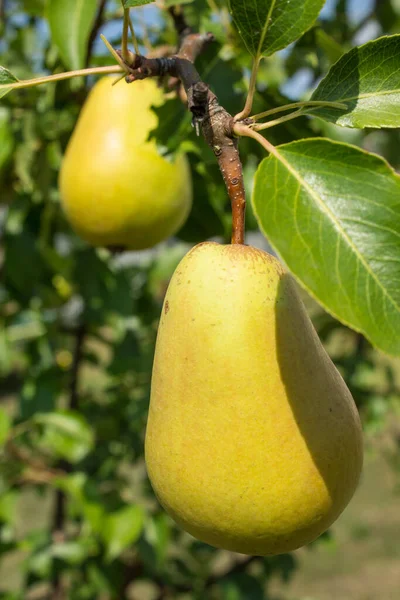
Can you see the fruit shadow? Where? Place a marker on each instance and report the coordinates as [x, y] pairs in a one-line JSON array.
[[306, 373]]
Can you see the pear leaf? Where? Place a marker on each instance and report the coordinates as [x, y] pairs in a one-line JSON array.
[[5, 426], [270, 25], [6, 77], [66, 434], [6, 139], [134, 3], [71, 22], [367, 79], [332, 212], [121, 529], [169, 3], [6, 81]]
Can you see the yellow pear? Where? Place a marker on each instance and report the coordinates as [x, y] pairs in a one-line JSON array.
[[253, 441], [116, 188]]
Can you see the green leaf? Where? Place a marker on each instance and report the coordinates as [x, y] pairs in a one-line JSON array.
[[67, 434], [71, 22], [158, 535], [332, 212], [367, 79], [209, 197], [5, 426], [73, 553], [23, 277], [239, 586], [133, 3], [105, 290], [270, 25], [6, 139], [173, 123], [85, 496], [8, 506], [329, 45], [6, 81], [39, 393], [125, 353], [122, 529], [6, 77], [73, 485], [169, 3]]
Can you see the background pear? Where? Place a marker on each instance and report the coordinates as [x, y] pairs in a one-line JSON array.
[[116, 189], [253, 441]]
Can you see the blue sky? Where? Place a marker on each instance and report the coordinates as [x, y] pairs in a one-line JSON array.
[[358, 9], [300, 83]]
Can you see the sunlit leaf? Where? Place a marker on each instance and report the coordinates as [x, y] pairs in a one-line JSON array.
[[122, 529], [367, 79], [332, 212], [5, 426], [270, 25], [70, 23], [67, 434], [6, 80], [133, 3], [6, 139], [6, 77]]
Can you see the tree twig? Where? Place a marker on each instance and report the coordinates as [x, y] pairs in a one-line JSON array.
[[95, 29], [181, 26]]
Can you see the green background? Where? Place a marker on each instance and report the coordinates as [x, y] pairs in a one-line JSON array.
[[78, 518]]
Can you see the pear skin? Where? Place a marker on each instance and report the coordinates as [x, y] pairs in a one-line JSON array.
[[253, 442], [116, 189]]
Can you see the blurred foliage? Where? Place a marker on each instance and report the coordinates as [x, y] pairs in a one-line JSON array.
[[78, 325]]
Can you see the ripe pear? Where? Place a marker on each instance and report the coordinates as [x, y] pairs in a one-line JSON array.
[[116, 189], [253, 441]]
